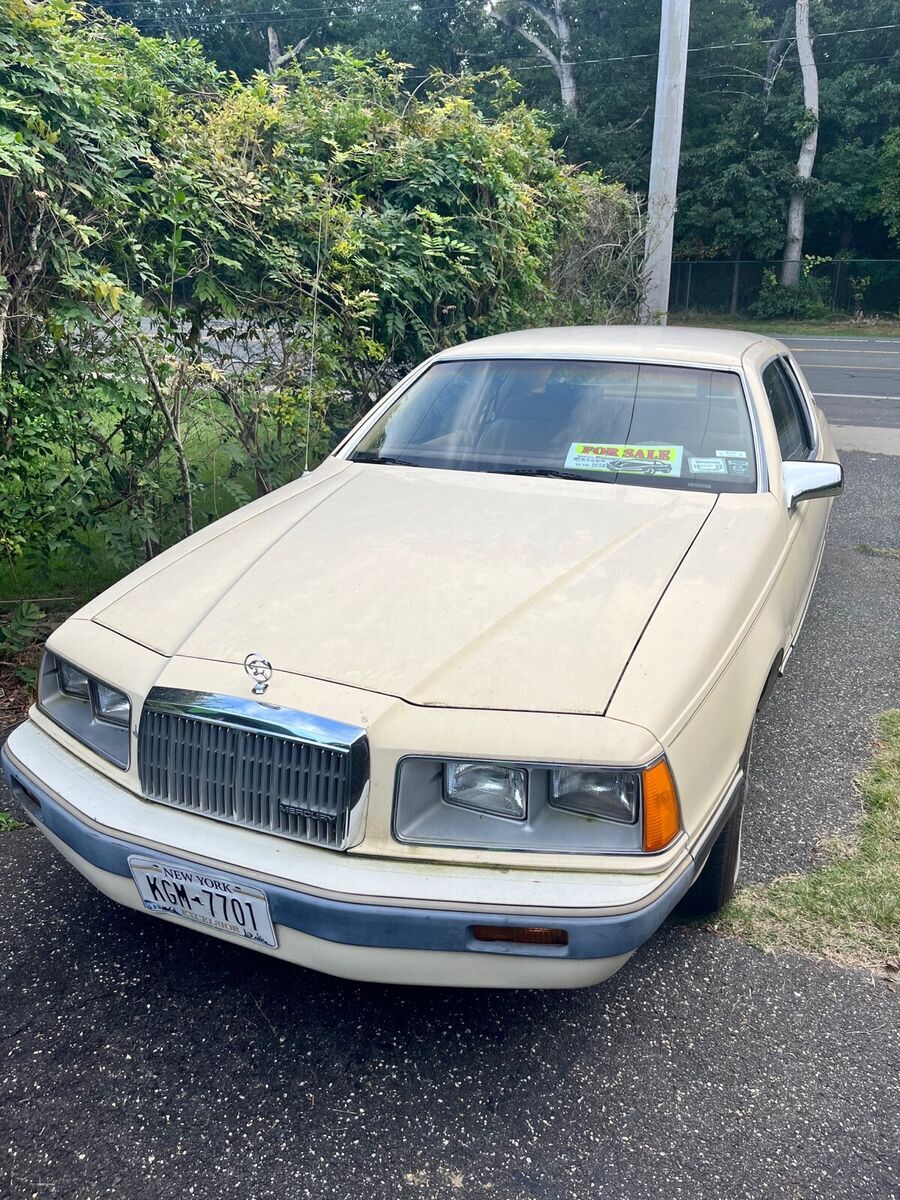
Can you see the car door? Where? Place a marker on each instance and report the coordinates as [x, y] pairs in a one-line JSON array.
[[797, 440]]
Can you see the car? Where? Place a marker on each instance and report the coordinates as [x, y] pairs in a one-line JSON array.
[[640, 468], [464, 705]]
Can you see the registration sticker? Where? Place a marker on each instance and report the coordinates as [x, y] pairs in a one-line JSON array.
[[627, 459], [731, 453], [708, 466], [211, 898]]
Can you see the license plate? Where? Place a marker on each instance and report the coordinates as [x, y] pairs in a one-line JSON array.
[[209, 898]]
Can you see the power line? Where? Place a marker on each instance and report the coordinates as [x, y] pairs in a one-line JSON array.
[[259, 14], [697, 49], [513, 64], [316, 10]]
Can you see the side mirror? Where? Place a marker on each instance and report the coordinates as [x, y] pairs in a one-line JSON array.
[[810, 481]]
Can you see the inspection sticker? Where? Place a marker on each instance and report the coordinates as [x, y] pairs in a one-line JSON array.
[[708, 466], [627, 459], [731, 453]]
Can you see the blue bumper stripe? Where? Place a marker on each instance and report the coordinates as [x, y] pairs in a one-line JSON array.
[[369, 924]]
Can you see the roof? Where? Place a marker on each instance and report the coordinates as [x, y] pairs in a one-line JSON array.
[[716, 347]]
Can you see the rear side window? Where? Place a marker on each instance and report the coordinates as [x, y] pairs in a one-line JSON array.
[[794, 436]]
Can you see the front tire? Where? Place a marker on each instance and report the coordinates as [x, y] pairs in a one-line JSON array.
[[717, 882]]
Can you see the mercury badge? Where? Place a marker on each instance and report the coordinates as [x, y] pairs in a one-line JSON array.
[[260, 671]]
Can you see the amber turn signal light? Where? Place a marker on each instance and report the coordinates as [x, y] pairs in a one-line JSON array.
[[532, 935], [662, 821]]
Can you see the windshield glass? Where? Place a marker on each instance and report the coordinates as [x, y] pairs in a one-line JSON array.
[[609, 422]]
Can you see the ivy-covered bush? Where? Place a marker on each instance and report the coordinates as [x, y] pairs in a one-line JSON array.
[[193, 270], [807, 300]]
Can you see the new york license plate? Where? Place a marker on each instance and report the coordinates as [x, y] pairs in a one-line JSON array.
[[209, 898]]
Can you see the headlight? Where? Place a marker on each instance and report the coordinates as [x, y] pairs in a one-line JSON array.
[[72, 681], [112, 705], [611, 794], [487, 787], [90, 710], [552, 808]]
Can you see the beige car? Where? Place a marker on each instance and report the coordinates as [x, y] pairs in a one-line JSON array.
[[472, 703]]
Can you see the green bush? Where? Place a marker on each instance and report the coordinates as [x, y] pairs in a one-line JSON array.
[[806, 300], [193, 266]]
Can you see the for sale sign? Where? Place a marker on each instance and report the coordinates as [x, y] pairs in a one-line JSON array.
[[628, 459]]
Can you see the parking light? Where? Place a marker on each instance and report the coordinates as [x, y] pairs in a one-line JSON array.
[[662, 820]]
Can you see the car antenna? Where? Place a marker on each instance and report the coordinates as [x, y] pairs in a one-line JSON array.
[[322, 237]]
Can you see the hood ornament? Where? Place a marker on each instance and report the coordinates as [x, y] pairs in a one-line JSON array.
[[260, 671]]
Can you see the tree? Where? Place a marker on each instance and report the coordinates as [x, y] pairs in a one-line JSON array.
[[859, 81], [743, 83], [521, 16], [732, 197], [889, 182], [240, 37], [793, 249]]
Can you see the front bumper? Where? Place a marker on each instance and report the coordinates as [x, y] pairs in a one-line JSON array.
[[392, 942]]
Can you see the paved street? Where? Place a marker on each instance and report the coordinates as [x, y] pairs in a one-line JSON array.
[[143, 1061], [856, 380]]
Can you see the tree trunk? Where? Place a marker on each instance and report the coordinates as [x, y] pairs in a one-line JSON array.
[[274, 48], [568, 92], [277, 57], [551, 14], [793, 247], [174, 433], [4, 312]]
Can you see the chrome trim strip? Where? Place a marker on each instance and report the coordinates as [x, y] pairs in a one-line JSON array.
[[256, 716], [793, 370]]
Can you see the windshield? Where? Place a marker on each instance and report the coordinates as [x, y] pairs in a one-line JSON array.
[[636, 423]]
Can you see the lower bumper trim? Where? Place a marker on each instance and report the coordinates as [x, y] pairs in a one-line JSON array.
[[365, 924]]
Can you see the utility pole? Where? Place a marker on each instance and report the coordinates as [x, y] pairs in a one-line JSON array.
[[673, 43]]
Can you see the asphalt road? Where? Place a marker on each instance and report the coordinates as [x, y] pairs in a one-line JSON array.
[[855, 380], [143, 1061]]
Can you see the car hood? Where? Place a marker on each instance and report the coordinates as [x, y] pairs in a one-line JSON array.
[[439, 587]]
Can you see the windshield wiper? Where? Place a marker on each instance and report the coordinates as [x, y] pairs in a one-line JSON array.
[[549, 473], [370, 456]]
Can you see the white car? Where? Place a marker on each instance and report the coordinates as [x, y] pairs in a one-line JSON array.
[[472, 703]]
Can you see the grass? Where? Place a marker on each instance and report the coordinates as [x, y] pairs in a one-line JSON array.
[[878, 551], [76, 574], [842, 327], [62, 584], [848, 910], [8, 823]]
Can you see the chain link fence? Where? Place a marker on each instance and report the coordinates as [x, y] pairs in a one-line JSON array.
[[847, 285]]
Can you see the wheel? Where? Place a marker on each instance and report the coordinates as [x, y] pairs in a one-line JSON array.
[[716, 883]]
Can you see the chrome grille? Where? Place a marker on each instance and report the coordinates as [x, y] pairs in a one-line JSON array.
[[237, 761]]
